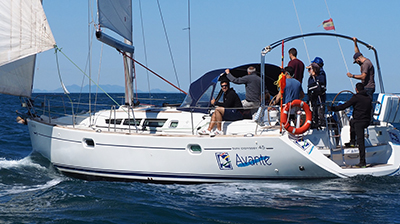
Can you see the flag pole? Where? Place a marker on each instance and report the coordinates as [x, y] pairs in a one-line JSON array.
[[282, 79]]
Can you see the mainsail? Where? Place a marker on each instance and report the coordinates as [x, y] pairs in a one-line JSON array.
[[24, 32], [117, 16]]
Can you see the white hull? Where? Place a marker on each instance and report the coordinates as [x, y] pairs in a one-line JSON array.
[[163, 155]]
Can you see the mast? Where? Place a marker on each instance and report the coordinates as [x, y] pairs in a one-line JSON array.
[[128, 70], [117, 16]]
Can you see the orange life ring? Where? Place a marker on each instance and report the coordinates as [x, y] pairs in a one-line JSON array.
[[285, 115]]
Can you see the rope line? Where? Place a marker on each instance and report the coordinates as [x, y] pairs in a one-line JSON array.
[[301, 30], [108, 95], [340, 47], [144, 47], [123, 53]]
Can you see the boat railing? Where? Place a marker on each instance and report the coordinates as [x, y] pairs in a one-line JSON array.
[[113, 111], [112, 119], [47, 106], [130, 110], [56, 106]]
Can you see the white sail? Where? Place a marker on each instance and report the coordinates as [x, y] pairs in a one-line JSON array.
[[116, 16], [16, 78], [24, 31]]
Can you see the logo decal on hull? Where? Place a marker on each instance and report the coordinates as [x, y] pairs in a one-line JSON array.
[[224, 161], [305, 145], [244, 161]]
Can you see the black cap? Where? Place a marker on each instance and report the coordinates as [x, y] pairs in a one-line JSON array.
[[355, 56]]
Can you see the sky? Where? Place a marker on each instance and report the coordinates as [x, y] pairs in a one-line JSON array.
[[223, 34]]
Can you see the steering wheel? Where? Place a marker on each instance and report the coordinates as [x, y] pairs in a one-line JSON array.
[[347, 111]]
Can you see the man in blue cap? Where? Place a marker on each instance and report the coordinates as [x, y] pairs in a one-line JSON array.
[[367, 71]]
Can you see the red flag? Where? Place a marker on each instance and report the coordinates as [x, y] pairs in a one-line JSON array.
[[328, 24]]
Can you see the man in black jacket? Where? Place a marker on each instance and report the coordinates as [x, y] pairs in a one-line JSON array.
[[362, 105], [229, 110]]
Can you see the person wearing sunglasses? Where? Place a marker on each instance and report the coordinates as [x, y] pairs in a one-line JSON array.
[[317, 94], [229, 110]]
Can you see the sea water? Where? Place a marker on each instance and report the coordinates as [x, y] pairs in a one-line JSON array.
[[32, 191]]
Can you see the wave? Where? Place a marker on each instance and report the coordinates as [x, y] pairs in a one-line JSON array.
[[6, 190], [24, 175], [22, 163], [269, 193]]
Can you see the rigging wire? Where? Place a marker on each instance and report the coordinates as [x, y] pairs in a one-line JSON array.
[[84, 73], [159, 76], [90, 14], [62, 84], [190, 61], [144, 48], [340, 47], [301, 30], [190, 44], [98, 75], [169, 45], [90, 62]]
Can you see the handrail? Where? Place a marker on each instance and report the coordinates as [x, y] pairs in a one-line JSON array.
[[115, 119], [275, 44], [134, 120]]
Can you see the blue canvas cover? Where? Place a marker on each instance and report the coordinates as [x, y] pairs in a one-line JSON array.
[[202, 90]]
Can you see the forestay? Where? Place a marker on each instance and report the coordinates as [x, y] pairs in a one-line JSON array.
[[24, 32]]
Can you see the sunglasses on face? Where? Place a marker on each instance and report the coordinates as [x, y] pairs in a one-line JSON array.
[[222, 86]]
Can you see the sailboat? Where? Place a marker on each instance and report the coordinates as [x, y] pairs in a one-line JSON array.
[[162, 144]]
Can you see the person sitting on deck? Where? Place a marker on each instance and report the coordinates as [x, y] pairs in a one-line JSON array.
[[229, 110], [362, 104]]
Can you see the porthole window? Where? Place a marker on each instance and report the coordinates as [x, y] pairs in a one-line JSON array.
[[173, 124], [88, 142], [195, 148]]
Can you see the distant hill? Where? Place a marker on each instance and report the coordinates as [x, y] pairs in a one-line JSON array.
[[107, 88]]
